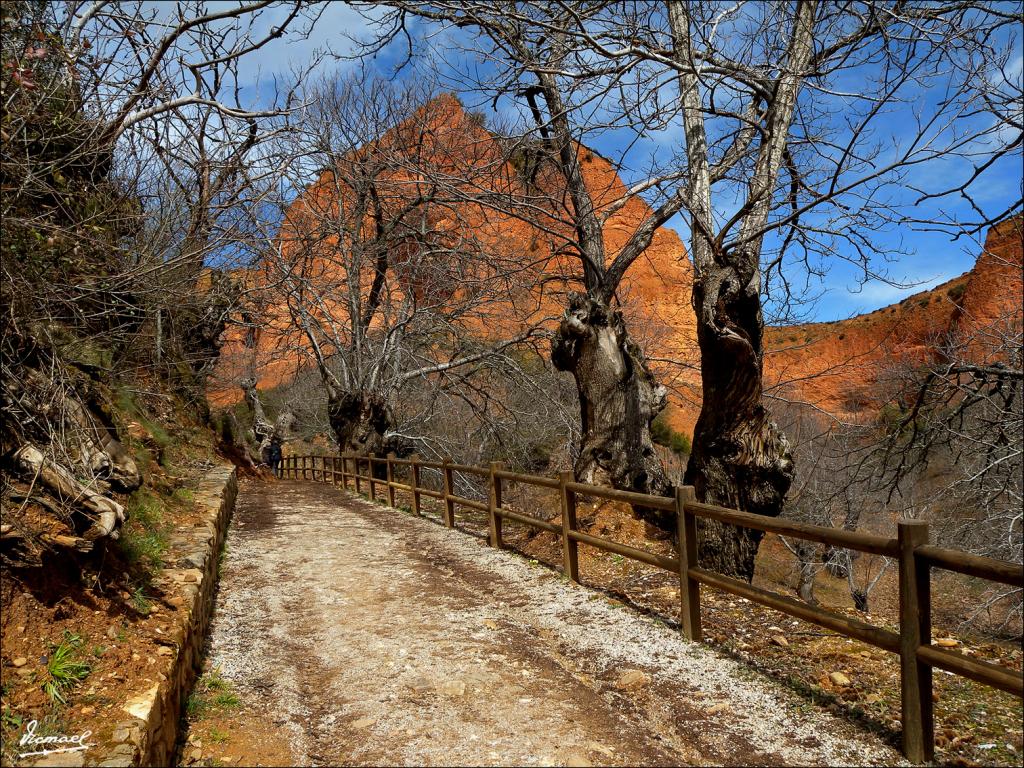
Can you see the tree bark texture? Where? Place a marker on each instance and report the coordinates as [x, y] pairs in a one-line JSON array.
[[619, 398], [361, 422], [741, 459]]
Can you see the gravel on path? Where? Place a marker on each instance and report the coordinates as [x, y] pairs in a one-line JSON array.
[[374, 637]]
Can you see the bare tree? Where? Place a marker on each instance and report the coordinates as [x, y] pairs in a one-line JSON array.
[[538, 68], [782, 165], [389, 271], [945, 445], [955, 430], [837, 485], [81, 82], [205, 172]]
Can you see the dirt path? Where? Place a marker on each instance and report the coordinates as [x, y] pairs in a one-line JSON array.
[[362, 635]]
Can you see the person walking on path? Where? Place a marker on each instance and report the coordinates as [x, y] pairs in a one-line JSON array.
[[274, 452]]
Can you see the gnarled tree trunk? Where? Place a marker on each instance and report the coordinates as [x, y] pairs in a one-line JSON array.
[[264, 433], [741, 459], [619, 398], [361, 422]]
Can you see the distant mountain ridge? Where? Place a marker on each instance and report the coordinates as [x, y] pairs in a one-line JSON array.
[[840, 366]]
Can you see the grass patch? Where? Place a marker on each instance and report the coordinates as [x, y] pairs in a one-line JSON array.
[[140, 600], [227, 700], [145, 508], [143, 539], [195, 706], [64, 669], [212, 694], [221, 555], [184, 495]]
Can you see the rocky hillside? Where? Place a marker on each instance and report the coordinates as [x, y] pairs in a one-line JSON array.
[[656, 297], [839, 366], [843, 367]]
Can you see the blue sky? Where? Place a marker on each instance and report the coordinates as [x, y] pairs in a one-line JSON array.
[[924, 259]]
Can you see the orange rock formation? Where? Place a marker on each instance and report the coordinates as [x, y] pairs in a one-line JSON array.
[[837, 366], [655, 296], [842, 367]]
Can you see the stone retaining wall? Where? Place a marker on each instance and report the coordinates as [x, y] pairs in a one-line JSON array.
[[148, 736]]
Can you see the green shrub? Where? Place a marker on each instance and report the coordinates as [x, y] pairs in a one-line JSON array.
[[663, 434]]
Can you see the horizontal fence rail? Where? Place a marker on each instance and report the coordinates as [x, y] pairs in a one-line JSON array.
[[910, 548]]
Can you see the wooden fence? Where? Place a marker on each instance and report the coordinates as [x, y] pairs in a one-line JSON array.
[[910, 548]]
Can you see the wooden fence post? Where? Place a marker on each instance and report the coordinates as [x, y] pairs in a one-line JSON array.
[[492, 509], [570, 547], [689, 589], [449, 505], [305, 470], [915, 631], [370, 460], [334, 471], [391, 480], [344, 470], [416, 484], [355, 461]]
